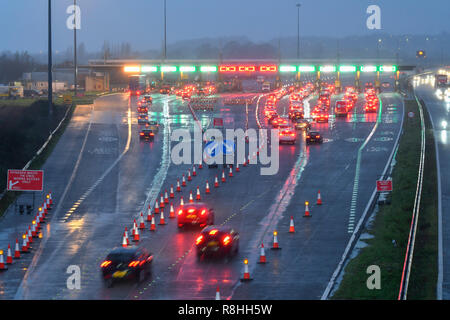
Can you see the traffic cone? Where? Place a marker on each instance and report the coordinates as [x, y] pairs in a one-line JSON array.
[[124, 240], [237, 167], [291, 226], [126, 236], [178, 185], [189, 175], [319, 199], [149, 214], [161, 218], [223, 176], [172, 211], [134, 226], [33, 229], [181, 201], [171, 195], [141, 222], [2, 262], [153, 225], [161, 201], [183, 181], [231, 172], [200, 166], [216, 183], [30, 236], [275, 245], [156, 210], [44, 207], [136, 235], [262, 255], [9, 255], [245, 163], [24, 244], [51, 200], [47, 197], [197, 197], [16, 250], [307, 215], [246, 273], [194, 173], [166, 197], [207, 188], [191, 199], [217, 293]]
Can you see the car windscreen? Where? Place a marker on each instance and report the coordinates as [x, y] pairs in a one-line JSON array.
[[120, 257]]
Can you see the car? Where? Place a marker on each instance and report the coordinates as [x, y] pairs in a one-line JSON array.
[[321, 116], [147, 134], [195, 214], [273, 118], [341, 108], [126, 263], [287, 135], [147, 98], [142, 119], [314, 137], [217, 241], [302, 124], [142, 109], [295, 114], [32, 93]]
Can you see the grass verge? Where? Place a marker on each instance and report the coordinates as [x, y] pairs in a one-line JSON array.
[[27, 131], [392, 222]]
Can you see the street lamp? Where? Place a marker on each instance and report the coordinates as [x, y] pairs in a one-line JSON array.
[[298, 5], [49, 79], [165, 33], [75, 67]]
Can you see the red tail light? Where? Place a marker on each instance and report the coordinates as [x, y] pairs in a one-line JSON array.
[[199, 240], [203, 212], [308, 137], [180, 212], [141, 133], [317, 136], [226, 241], [213, 232], [191, 210], [133, 264], [105, 263], [152, 134]]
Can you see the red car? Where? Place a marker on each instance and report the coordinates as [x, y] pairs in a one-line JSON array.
[[195, 214]]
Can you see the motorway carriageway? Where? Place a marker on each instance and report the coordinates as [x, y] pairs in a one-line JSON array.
[[254, 205]]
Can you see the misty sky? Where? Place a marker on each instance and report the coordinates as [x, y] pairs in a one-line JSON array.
[[140, 22]]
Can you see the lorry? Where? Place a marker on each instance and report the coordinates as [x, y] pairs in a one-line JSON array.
[[341, 108], [11, 92], [440, 80]]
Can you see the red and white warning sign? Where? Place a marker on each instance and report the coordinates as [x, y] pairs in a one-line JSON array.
[[25, 180], [218, 122], [384, 185]]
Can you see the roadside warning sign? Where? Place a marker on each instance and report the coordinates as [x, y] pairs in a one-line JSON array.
[[384, 185], [25, 180]]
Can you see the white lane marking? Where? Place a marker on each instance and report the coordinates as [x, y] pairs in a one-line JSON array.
[[277, 209], [36, 257], [353, 238], [23, 285], [358, 169], [160, 176]]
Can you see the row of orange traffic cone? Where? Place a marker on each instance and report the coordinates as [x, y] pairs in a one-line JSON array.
[[30, 233]]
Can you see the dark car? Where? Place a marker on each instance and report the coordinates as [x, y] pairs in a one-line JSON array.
[[146, 134], [129, 263], [302, 124], [31, 93], [314, 137], [217, 241], [195, 214]]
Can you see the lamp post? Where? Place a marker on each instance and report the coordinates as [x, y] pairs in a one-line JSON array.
[[50, 80], [165, 32], [75, 66], [298, 5]]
